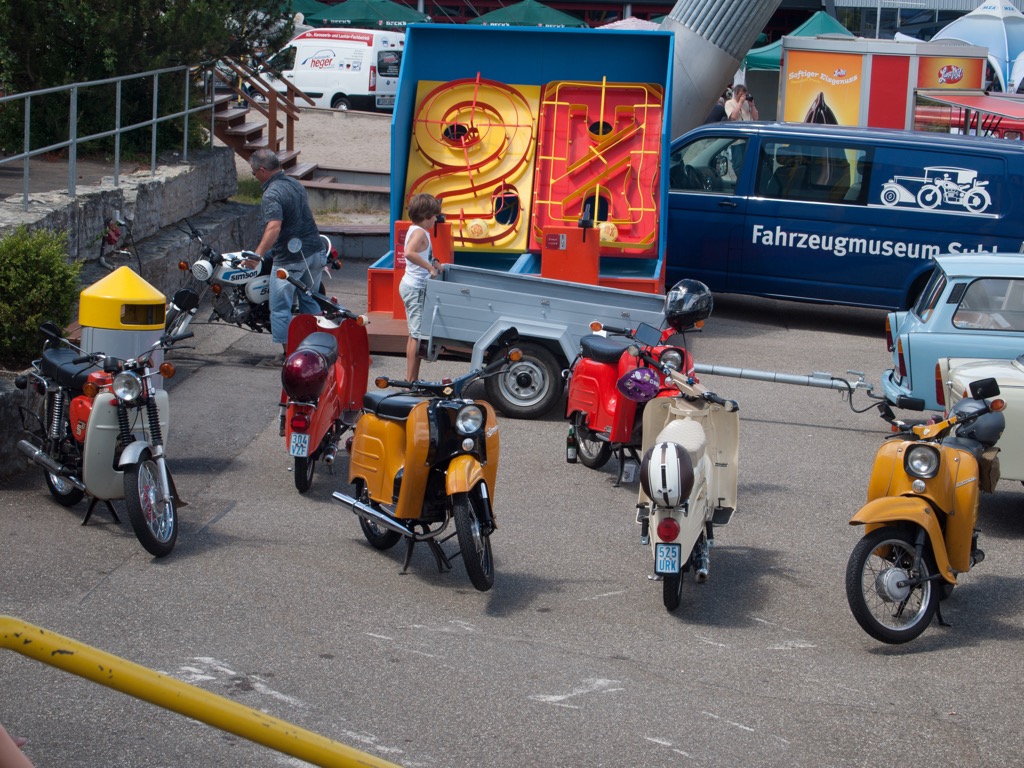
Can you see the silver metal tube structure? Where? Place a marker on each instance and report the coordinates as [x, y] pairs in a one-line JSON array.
[[816, 379], [711, 39]]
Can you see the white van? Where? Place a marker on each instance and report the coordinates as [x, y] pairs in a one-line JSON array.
[[342, 68]]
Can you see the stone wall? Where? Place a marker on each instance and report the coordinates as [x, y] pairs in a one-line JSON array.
[[154, 205]]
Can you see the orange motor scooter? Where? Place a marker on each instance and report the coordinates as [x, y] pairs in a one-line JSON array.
[[921, 512], [324, 379], [425, 454]]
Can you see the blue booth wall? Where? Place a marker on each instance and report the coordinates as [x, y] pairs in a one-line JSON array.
[[525, 56]]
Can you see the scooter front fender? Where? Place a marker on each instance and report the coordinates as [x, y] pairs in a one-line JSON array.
[[464, 472], [907, 509], [132, 453]]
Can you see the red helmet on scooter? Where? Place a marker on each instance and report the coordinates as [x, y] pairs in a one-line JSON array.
[[304, 374]]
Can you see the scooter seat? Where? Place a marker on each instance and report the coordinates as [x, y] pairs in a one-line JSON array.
[[390, 405], [57, 365], [322, 342], [601, 349], [686, 433]]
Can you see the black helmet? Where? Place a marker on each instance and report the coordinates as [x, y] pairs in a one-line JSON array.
[[986, 429], [687, 304]]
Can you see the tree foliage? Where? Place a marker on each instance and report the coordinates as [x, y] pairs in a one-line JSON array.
[[45, 43]]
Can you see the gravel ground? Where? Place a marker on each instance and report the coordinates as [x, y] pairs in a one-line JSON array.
[[351, 140]]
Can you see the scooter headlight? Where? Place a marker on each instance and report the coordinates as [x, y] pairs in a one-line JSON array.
[[469, 420], [127, 386], [672, 358], [202, 270], [922, 461]]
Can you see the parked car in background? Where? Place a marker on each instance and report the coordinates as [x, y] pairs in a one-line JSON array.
[[956, 374], [971, 306]]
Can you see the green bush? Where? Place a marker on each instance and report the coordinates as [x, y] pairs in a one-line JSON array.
[[36, 284]]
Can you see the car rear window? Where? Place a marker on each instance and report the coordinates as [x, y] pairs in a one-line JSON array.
[[930, 295], [992, 304]]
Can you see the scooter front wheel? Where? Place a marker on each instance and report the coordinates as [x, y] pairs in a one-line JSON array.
[[473, 542], [884, 605], [379, 537], [155, 523]]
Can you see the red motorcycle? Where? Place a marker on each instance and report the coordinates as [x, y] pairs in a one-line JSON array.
[[603, 419], [324, 379]]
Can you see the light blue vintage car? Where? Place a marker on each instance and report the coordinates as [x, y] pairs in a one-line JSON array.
[[972, 306]]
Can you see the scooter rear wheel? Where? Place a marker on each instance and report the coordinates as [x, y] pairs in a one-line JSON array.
[[474, 544], [593, 453], [62, 491], [155, 524], [304, 472], [878, 565], [672, 590]]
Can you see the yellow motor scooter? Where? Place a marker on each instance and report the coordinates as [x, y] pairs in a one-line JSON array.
[[423, 455], [921, 514]]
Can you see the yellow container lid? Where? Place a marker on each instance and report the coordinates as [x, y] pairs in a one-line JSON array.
[[122, 301]]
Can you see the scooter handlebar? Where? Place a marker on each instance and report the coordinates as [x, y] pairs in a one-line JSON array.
[[330, 309]]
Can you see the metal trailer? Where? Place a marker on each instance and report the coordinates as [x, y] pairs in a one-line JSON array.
[[467, 308]]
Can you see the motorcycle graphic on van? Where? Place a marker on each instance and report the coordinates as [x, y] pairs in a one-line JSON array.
[[940, 185]]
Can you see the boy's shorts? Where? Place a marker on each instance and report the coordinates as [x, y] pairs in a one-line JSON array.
[[413, 298]]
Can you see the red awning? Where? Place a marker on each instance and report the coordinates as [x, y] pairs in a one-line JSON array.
[[1003, 106]]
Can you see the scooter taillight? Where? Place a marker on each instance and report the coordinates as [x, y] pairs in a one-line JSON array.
[[300, 422], [303, 375], [668, 529]]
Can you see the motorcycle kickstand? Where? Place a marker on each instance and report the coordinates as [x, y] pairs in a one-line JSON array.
[[622, 463], [92, 507]]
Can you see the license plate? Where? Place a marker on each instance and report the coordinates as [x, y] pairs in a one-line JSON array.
[[385, 101], [299, 445], [666, 558]]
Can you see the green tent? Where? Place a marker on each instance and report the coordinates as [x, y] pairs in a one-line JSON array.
[[306, 7], [770, 56], [366, 14], [528, 13]]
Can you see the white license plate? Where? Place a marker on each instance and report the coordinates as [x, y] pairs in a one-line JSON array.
[[667, 557], [299, 445]]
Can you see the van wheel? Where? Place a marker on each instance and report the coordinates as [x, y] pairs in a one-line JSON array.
[[342, 103]]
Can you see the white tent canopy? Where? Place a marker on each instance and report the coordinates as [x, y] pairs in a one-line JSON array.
[[998, 26]]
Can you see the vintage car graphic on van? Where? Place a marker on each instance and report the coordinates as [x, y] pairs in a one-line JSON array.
[[942, 187]]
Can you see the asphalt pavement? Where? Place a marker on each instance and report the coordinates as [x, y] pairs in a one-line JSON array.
[[275, 600]]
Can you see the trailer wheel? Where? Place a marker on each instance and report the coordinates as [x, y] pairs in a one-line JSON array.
[[529, 388]]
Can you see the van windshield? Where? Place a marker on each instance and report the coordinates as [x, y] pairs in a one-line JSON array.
[[283, 60]]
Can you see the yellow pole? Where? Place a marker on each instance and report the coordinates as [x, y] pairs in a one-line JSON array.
[[143, 683]]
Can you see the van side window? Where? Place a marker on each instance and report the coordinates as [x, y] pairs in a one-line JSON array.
[[707, 165], [992, 304], [816, 172]]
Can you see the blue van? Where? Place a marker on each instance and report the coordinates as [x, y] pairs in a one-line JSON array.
[[835, 214]]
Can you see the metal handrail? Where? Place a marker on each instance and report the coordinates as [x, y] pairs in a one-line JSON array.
[[185, 699], [74, 140]]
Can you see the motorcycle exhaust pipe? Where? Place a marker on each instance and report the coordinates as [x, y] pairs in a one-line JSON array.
[[40, 458], [330, 454], [371, 514]]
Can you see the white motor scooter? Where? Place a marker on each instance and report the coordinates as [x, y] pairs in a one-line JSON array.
[[688, 474]]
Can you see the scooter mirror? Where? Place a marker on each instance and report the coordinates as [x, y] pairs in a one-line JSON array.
[[983, 389], [294, 245]]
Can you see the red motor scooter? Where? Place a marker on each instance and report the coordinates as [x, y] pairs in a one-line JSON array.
[[603, 420], [324, 379]]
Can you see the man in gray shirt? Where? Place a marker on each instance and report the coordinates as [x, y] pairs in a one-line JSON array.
[[286, 215]]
